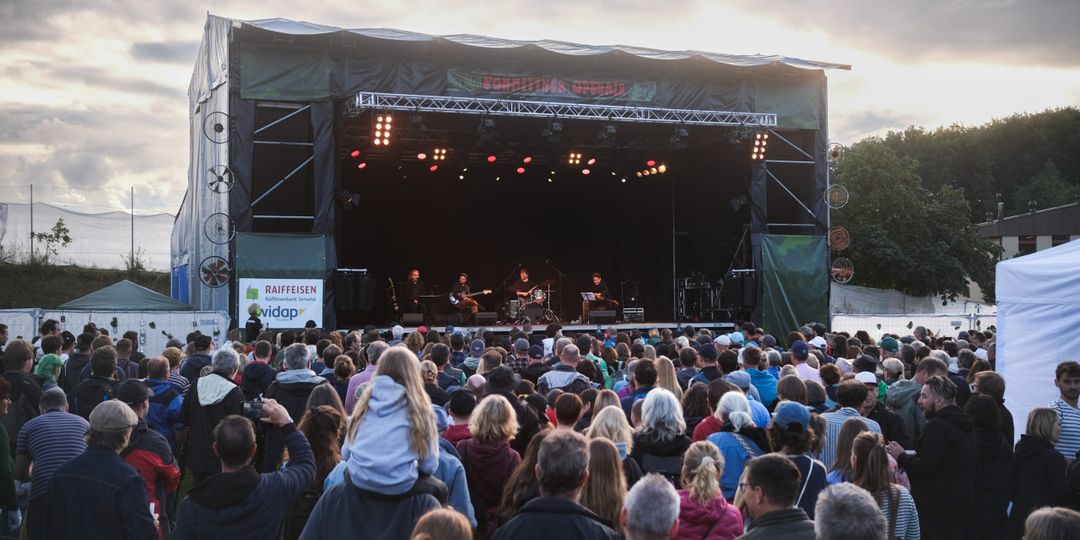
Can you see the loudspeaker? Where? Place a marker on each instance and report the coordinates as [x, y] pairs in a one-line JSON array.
[[749, 289], [601, 316], [485, 318], [365, 293], [412, 319], [345, 290]]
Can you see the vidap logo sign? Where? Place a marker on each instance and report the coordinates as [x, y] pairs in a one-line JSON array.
[[287, 302]]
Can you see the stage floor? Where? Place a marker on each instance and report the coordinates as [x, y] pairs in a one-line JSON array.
[[579, 328]]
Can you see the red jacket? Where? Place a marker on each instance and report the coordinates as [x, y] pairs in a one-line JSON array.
[[706, 427], [456, 433], [717, 521], [150, 455]]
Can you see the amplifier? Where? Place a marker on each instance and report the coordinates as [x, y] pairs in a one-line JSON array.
[[633, 315]]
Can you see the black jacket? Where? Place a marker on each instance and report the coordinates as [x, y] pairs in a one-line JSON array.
[[554, 517], [25, 396], [201, 420], [257, 378], [789, 524], [528, 423], [661, 457], [892, 426], [942, 471], [98, 495], [346, 511], [73, 367], [91, 392], [993, 456], [1036, 479]]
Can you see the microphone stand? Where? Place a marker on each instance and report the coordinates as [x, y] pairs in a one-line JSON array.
[[562, 290]]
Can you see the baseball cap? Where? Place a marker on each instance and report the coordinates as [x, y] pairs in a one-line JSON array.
[[818, 342], [708, 352], [800, 350], [981, 354], [521, 344], [865, 363], [736, 338], [133, 392], [768, 341], [722, 340], [536, 351], [889, 344], [866, 377], [791, 412], [476, 348], [47, 363], [111, 416], [738, 378]]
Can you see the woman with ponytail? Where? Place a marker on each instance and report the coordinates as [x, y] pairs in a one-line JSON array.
[[870, 465], [739, 440], [703, 513]]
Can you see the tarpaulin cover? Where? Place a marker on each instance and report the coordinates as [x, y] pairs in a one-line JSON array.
[[292, 256], [796, 285], [1038, 298], [125, 296]]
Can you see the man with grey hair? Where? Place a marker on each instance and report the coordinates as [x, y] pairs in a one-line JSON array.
[[848, 512], [373, 351], [651, 510], [563, 469], [210, 399], [291, 389], [564, 375]]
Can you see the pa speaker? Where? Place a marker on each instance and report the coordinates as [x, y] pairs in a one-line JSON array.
[[601, 316], [749, 289], [345, 290], [485, 318], [365, 293], [412, 318]]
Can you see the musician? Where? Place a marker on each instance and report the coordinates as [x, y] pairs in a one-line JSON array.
[[411, 291], [461, 291], [603, 296], [522, 287]]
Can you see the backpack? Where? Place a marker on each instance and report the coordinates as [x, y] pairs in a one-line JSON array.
[[91, 392]]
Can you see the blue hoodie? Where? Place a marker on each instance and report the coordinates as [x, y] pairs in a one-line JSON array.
[[379, 457]]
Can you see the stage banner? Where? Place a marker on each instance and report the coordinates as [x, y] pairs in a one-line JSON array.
[[796, 281], [544, 88], [283, 303]]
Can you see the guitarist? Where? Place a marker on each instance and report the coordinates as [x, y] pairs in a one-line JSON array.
[[464, 295]]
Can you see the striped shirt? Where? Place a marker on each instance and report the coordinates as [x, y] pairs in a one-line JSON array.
[[833, 422], [51, 440], [1069, 443], [179, 382], [907, 517]]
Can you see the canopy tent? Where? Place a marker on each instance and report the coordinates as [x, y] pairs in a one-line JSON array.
[[125, 296], [1038, 316]]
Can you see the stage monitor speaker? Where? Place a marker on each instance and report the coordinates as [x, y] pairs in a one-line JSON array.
[[633, 315], [601, 316], [412, 319], [486, 318], [749, 289]]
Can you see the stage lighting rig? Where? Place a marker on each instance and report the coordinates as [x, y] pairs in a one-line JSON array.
[[439, 154], [575, 158], [678, 138], [553, 132], [761, 143], [383, 124], [486, 131], [606, 137]]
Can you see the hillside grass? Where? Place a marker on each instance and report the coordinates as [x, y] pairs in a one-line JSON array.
[[47, 286]]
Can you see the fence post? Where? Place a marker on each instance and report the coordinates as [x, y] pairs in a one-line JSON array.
[[31, 224]]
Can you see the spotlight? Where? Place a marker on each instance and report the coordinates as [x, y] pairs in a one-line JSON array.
[[421, 156], [461, 177], [654, 170], [624, 180], [591, 161], [362, 165], [433, 168], [354, 153], [349, 200], [585, 172], [761, 143], [640, 174], [662, 168], [521, 170], [650, 163], [606, 137], [491, 159], [575, 158], [439, 154], [527, 160], [646, 172], [549, 180], [382, 130]]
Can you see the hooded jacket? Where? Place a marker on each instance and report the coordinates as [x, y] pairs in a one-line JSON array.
[[164, 413], [993, 456], [544, 518], [149, 453], [902, 398], [210, 399], [942, 471], [1036, 479], [661, 457], [246, 504], [488, 465], [257, 377], [379, 456], [719, 520]]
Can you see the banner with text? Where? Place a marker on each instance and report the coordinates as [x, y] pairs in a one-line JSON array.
[[282, 303], [472, 83]]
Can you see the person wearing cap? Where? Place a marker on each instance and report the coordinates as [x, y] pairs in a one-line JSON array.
[[472, 362], [239, 502], [564, 375], [737, 339], [709, 371], [194, 363], [97, 494], [800, 353], [208, 401], [822, 346], [536, 367], [791, 436], [149, 453], [850, 396], [892, 427], [503, 381], [519, 357], [758, 412], [721, 343]]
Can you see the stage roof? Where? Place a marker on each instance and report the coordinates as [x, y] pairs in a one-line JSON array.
[[303, 28]]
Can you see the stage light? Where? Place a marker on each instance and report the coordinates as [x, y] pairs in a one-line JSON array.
[[650, 163], [654, 170], [421, 156], [575, 158], [355, 153], [491, 159], [362, 165], [639, 174], [439, 154], [549, 180], [461, 177], [591, 162], [527, 160], [761, 143], [433, 168], [521, 170], [497, 178], [678, 138], [624, 180], [378, 142], [382, 130], [662, 168], [585, 172]]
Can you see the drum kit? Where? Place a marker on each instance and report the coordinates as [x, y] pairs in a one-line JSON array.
[[536, 307]]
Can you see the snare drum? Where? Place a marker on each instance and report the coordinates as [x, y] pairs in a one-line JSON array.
[[538, 296]]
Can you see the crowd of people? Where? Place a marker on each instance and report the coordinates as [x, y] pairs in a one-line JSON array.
[[686, 434]]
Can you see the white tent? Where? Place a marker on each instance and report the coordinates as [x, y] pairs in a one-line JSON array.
[[1038, 298]]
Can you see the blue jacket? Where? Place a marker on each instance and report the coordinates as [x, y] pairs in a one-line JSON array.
[[98, 495], [628, 401], [193, 365], [164, 414], [246, 504], [735, 458], [765, 384]]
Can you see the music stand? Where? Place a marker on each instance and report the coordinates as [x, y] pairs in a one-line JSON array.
[[588, 296]]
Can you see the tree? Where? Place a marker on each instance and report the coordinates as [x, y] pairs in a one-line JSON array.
[[1048, 189], [904, 236], [58, 237]]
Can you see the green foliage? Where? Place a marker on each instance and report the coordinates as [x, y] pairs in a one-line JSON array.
[[905, 236], [57, 238], [1048, 189], [136, 263]]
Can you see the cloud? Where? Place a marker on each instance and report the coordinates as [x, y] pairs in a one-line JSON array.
[[1018, 32], [173, 52], [847, 128]]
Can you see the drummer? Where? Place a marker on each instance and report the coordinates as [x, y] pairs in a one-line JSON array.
[[522, 288]]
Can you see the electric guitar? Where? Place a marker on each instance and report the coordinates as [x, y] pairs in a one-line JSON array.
[[393, 297], [454, 300]]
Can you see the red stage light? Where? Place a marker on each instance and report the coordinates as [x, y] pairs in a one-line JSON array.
[[355, 153], [650, 163], [591, 161], [421, 156], [433, 168], [491, 159], [527, 160], [521, 170], [585, 172], [362, 165]]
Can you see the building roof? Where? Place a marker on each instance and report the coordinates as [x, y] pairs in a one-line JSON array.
[[1058, 221]]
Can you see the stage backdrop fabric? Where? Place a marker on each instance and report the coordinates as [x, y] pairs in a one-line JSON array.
[[796, 285]]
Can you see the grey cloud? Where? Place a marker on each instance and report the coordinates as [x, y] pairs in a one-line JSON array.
[[1039, 32], [850, 127], [102, 79], [174, 52]]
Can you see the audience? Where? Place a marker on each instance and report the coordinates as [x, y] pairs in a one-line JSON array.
[[651, 511], [848, 512], [703, 510], [769, 489]]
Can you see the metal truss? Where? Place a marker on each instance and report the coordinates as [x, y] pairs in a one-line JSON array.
[[546, 109]]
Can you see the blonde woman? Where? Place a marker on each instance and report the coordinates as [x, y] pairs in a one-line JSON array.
[[605, 490], [430, 374], [1037, 475], [665, 377], [610, 423], [605, 398], [392, 438], [488, 459], [703, 511]]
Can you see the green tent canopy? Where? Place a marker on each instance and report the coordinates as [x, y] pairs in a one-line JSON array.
[[125, 296]]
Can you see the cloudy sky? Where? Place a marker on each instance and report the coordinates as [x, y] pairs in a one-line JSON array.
[[92, 93]]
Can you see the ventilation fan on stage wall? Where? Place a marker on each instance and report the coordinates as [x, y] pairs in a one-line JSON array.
[[214, 272], [842, 270], [219, 179], [836, 196], [219, 228], [839, 238], [216, 127], [835, 152]]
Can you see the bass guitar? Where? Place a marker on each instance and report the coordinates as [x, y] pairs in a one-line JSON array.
[[454, 300]]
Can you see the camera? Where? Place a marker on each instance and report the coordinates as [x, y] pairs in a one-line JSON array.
[[253, 410]]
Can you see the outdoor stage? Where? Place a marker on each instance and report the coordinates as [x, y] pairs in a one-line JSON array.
[[715, 326]]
